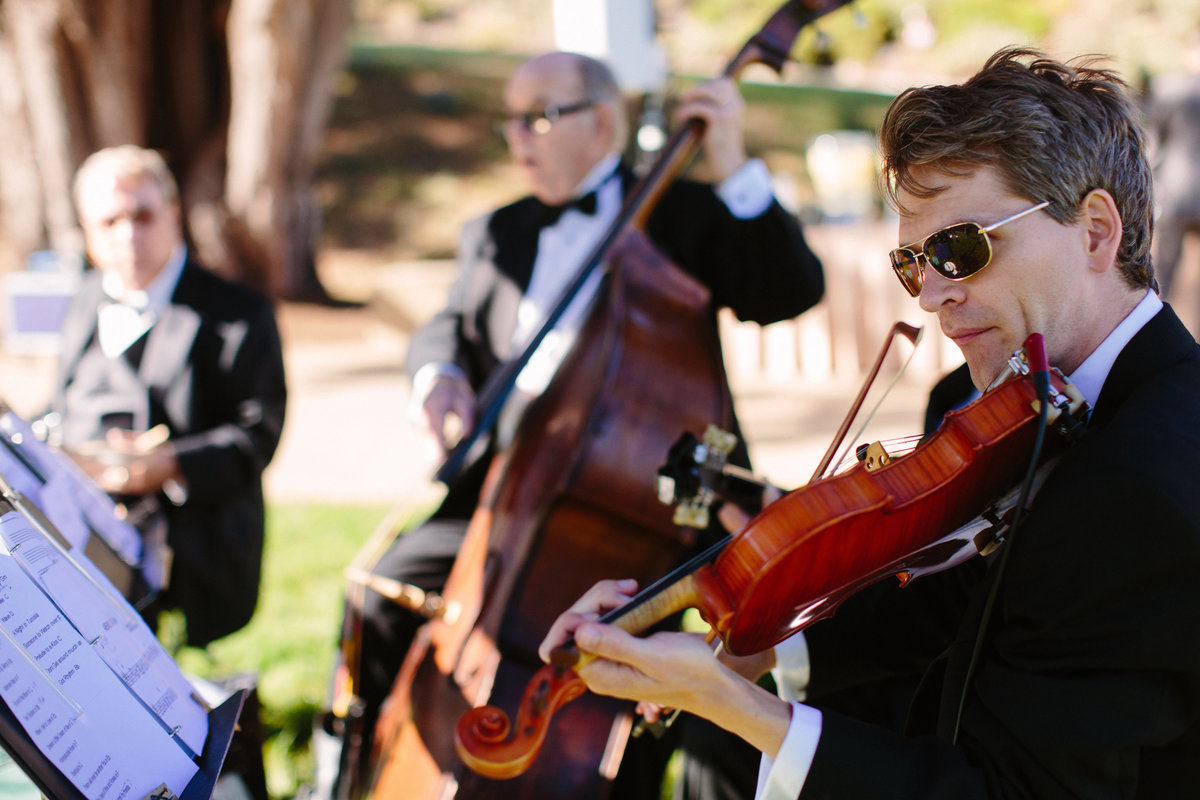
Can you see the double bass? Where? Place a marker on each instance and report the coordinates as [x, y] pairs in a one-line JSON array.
[[571, 500]]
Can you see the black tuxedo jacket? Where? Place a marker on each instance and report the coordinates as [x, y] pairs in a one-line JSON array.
[[213, 367], [1089, 681], [761, 268]]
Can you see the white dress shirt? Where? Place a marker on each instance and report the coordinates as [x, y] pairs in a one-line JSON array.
[[128, 313]]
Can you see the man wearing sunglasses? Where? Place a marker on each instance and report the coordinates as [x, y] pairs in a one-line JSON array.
[[565, 126], [1025, 204]]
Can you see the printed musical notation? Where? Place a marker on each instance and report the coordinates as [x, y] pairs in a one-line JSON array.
[[72, 705]]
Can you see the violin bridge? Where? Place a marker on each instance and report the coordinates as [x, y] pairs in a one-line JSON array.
[[875, 457]]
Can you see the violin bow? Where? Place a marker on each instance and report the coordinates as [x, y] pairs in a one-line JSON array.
[[910, 332]]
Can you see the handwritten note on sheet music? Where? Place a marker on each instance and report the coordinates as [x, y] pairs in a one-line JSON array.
[[74, 708]]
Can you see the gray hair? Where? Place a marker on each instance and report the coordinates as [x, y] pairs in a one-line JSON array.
[[125, 162], [600, 85]]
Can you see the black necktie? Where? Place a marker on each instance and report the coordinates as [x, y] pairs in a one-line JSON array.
[[584, 205]]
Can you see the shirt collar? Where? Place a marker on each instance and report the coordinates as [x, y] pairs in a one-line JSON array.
[[1089, 377], [155, 296], [598, 175]]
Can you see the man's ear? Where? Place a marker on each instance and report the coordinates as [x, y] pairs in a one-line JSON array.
[[605, 120], [1101, 222]]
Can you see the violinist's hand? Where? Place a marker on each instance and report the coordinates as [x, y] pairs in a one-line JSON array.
[[733, 517], [444, 412], [677, 670], [720, 105], [604, 596], [667, 670], [751, 667]]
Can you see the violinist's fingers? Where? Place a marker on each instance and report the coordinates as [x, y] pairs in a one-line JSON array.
[[561, 632], [651, 712], [751, 667], [604, 596], [732, 517], [673, 670]]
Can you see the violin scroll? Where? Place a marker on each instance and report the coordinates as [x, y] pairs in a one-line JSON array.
[[486, 741]]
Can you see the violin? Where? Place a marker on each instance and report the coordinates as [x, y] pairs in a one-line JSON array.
[[804, 554]]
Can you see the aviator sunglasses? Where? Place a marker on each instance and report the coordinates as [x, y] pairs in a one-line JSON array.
[[956, 252]]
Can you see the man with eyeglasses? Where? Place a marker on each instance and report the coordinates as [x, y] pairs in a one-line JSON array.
[[170, 392], [1065, 663], [565, 126]]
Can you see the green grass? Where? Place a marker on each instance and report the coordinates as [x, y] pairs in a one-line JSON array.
[[290, 643]]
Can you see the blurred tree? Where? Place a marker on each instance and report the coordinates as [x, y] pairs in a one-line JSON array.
[[235, 93]]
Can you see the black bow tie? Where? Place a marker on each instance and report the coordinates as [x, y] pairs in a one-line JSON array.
[[584, 205]]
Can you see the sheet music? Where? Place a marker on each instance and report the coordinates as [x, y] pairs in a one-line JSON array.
[[71, 704], [112, 627], [71, 499]]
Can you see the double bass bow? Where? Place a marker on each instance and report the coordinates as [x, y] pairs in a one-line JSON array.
[[798, 559]]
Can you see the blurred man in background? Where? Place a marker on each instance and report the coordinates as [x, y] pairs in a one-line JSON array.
[[170, 391]]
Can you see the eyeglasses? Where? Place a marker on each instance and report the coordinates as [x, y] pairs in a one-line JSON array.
[[540, 122], [955, 253], [141, 215]]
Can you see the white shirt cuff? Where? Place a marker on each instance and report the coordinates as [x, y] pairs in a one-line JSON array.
[[422, 381], [791, 670], [747, 192], [782, 777]]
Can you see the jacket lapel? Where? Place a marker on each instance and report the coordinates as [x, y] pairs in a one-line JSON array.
[[170, 339], [79, 326], [1161, 343]]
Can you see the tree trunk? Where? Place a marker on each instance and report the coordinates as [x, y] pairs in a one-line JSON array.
[[235, 93], [275, 124]]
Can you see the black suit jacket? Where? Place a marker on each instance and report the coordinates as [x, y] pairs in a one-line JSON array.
[[213, 366], [1089, 681], [761, 268]]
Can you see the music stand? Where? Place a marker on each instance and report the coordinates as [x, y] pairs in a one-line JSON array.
[[53, 784]]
